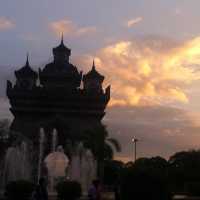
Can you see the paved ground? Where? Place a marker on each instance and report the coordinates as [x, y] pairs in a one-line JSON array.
[[105, 196], [182, 197]]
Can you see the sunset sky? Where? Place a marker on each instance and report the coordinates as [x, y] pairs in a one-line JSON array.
[[148, 50]]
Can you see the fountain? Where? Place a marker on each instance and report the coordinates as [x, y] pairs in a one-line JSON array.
[[54, 140], [88, 169], [74, 172], [41, 150], [80, 167], [83, 166], [17, 165]]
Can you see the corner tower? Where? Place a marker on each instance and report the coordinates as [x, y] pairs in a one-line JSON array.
[[26, 77]]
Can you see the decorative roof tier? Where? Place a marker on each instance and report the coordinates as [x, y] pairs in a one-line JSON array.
[[93, 74], [68, 76], [60, 72], [26, 71], [62, 48]]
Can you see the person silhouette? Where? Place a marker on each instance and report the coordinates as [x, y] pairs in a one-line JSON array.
[[94, 192]]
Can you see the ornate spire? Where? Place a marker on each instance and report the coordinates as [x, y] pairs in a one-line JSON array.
[[27, 59], [93, 65], [93, 74], [26, 70], [62, 39], [62, 48]]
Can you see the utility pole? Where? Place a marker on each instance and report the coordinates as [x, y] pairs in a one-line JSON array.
[[135, 140]]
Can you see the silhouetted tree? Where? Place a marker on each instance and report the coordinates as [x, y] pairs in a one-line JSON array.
[[102, 146], [155, 166], [145, 179], [20, 189], [184, 168], [129, 164], [112, 172]]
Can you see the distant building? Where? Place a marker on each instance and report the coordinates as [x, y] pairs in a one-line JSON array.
[[58, 96]]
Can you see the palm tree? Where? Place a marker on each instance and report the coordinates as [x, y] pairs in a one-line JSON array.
[[102, 146]]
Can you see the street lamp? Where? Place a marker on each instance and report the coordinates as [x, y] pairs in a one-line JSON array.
[[135, 140]]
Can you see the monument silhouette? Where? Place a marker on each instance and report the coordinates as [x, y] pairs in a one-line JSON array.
[[58, 97]]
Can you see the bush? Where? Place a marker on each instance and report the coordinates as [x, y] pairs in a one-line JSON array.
[[142, 186], [192, 188], [20, 189], [70, 190]]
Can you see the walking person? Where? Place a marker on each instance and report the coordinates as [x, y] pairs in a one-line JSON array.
[[117, 191], [94, 192]]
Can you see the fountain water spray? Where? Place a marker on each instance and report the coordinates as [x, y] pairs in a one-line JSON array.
[[41, 150], [54, 140]]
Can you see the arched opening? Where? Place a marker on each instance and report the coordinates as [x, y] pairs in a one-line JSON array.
[[78, 165], [56, 164]]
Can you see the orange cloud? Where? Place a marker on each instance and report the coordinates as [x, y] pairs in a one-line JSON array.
[[6, 24], [68, 28], [133, 22], [149, 71]]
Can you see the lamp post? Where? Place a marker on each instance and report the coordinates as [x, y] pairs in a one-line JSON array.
[[135, 140]]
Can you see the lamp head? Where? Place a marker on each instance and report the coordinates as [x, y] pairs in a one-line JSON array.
[[134, 140]]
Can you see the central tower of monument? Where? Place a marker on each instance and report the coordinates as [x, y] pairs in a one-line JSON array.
[[58, 96]]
